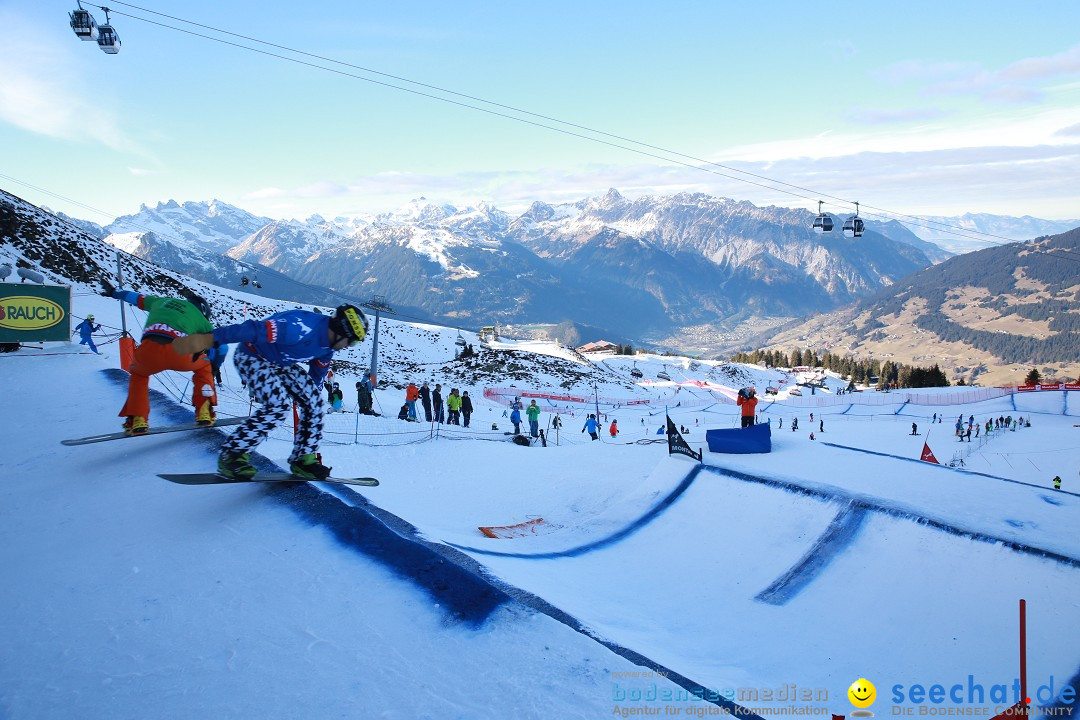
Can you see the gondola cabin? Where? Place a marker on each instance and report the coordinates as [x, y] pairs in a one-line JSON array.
[[108, 40], [824, 223], [635, 373], [84, 25], [854, 225]]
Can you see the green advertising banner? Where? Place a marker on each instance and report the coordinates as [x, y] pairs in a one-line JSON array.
[[32, 313]]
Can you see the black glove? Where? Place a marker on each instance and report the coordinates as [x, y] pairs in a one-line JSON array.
[[107, 288]]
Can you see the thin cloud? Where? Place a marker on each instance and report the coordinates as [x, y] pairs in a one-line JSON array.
[[1071, 131], [894, 117], [1019, 82]]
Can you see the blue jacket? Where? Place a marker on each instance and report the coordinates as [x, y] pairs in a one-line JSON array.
[[87, 328], [284, 338], [591, 425]]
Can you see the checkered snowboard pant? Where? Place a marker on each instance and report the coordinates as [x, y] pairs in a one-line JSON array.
[[276, 388]]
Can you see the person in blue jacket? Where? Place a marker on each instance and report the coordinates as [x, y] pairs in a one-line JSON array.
[[86, 329], [515, 414], [266, 357], [592, 426]]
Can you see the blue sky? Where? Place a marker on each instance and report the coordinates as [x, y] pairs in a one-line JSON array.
[[932, 108]]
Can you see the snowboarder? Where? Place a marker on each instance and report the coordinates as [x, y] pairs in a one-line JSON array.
[[591, 425], [914, 429], [533, 413], [167, 320], [1057, 482], [266, 358], [614, 429], [794, 424], [748, 402], [86, 330]]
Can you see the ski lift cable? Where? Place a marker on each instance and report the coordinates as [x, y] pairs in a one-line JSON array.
[[940, 225]]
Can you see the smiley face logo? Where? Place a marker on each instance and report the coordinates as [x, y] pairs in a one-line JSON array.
[[862, 693]]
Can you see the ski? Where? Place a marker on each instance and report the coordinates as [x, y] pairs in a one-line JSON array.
[[152, 431], [270, 477]]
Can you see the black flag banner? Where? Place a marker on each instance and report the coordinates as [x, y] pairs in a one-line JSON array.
[[676, 444]]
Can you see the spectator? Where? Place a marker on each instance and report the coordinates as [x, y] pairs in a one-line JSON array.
[[336, 399], [453, 407], [748, 402], [533, 413], [591, 425], [403, 413], [86, 330], [515, 415], [425, 400], [411, 394], [437, 404], [614, 429], [364, 397], [466, 408]]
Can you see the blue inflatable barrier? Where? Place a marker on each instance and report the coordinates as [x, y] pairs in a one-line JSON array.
[[754, 439]]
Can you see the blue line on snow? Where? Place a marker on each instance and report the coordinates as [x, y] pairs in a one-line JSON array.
[[901, 408], [946, 467], [846, 410], [892, 511], [615, 537], [840, 533]]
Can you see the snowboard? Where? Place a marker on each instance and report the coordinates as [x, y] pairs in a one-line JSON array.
[[152, 431], [270, 477]]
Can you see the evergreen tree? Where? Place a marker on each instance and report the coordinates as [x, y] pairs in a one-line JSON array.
[[1033, 377]]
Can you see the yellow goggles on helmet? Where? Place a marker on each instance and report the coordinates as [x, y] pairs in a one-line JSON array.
[[356, 325]]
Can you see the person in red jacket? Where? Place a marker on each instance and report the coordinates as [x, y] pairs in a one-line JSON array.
[[614, 429], [748, 402]]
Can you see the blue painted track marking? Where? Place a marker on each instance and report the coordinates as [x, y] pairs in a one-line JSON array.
[[615, 537], [840, 533]]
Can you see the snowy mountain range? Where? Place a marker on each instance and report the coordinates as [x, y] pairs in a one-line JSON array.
[[633, 268], [1004, 227]]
